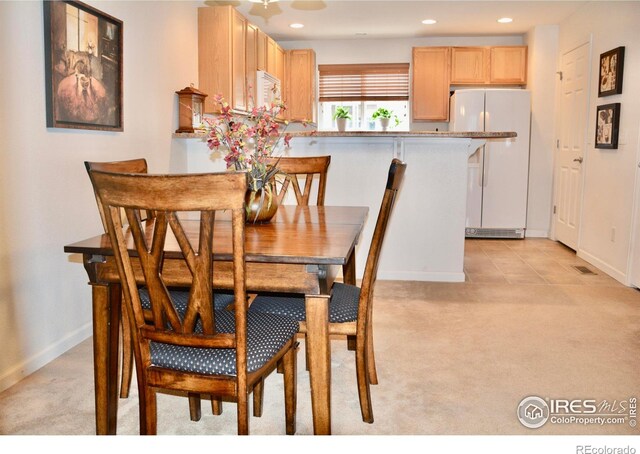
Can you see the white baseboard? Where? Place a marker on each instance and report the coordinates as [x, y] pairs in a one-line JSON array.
[[602, 266], [536, 233], [51, 352], [420, 276]]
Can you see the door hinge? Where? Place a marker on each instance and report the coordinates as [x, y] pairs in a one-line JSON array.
[[557, 143], [560, 74], [554, 209]]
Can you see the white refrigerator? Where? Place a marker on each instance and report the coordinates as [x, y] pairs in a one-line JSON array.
[[499, 171]]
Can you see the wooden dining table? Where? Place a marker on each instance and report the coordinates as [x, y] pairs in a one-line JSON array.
[[301, 250]]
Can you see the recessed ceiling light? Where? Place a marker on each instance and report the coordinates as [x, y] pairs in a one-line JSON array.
[[505, 20], [429, 21], [296, 25]]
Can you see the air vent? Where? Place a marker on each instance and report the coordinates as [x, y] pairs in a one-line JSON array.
[[494, 233], [583, 269]]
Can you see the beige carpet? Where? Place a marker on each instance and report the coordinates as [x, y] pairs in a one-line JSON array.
[[453, 358]]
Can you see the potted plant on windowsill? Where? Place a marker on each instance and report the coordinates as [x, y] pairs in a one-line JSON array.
[[341, 115], [385, 116]]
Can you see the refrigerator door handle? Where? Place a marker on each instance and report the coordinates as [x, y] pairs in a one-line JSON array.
[[485, 164]]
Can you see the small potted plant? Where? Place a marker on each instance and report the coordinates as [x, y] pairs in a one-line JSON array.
[[341, 116], [385, 116]]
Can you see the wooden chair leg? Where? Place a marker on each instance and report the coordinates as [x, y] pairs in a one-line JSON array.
[[258, 396], [216, 406], [362, 377], [243, 413], [195, 410], [149, 420], [289, 362], [127, 355], [351, 343], [371, 361]]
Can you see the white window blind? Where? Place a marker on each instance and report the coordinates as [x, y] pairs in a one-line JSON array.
[[364, 82]]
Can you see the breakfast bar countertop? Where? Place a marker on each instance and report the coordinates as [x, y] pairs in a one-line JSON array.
[[389, 134], [417, 134]]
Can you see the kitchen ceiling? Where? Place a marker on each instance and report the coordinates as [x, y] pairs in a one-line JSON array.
[[358, 19]]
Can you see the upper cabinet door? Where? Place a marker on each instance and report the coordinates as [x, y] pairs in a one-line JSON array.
[[221, 56], [271, 56], [239, 74], [508, 65], [252, 63], [469, 65], [301, 85], [261, 49], [430, 83]]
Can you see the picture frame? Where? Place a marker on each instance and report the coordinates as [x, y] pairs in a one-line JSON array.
[[611, 69], [83, 67], [607, 125]]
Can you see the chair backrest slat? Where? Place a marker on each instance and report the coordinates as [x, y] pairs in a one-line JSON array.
[[309, 167], [167, 196], [129, 166]]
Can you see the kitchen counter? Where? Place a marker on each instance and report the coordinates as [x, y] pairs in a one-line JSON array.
[[426, 233], [414, 134], [387, 134]]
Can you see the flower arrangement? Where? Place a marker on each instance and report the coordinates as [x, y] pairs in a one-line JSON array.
[[248, 141]]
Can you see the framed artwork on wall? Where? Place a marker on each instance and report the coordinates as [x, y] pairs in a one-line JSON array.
[[83, 67], [611, 66], [607, 123]]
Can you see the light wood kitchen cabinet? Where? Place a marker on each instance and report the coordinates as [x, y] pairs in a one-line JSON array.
[[261, 49], [300, 79], [271, 56], [430, 83], [469, 65], [221, 56], [508, 65], [251, 54]]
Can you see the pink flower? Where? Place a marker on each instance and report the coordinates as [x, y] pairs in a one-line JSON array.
[[247, 141]]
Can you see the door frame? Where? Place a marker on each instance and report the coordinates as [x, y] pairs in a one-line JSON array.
[[633, 265], [575, 45]]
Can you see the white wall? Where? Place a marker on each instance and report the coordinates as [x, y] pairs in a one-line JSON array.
[[46, 200], [542, 42], [609, 175]]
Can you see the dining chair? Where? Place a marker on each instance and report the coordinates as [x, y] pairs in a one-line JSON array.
[[221, 299], [292, 170], [350, 307], [295, 168], [189, 346]]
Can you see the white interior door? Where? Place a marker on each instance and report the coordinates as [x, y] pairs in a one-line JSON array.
[[572, 138]]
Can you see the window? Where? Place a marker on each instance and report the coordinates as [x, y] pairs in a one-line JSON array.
[[362, 89]]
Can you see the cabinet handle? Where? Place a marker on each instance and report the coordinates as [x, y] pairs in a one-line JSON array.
[[578, 159]]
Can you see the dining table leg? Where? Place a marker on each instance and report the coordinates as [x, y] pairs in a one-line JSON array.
[[106, 320], [319, 351], [349, 269]]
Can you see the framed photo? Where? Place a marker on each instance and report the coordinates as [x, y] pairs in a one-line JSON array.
[[607, 123], [611, 66], [83, 67]]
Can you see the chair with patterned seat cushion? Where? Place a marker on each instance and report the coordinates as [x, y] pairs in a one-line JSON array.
[[221, 299], [189, 346], [350, 307]]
